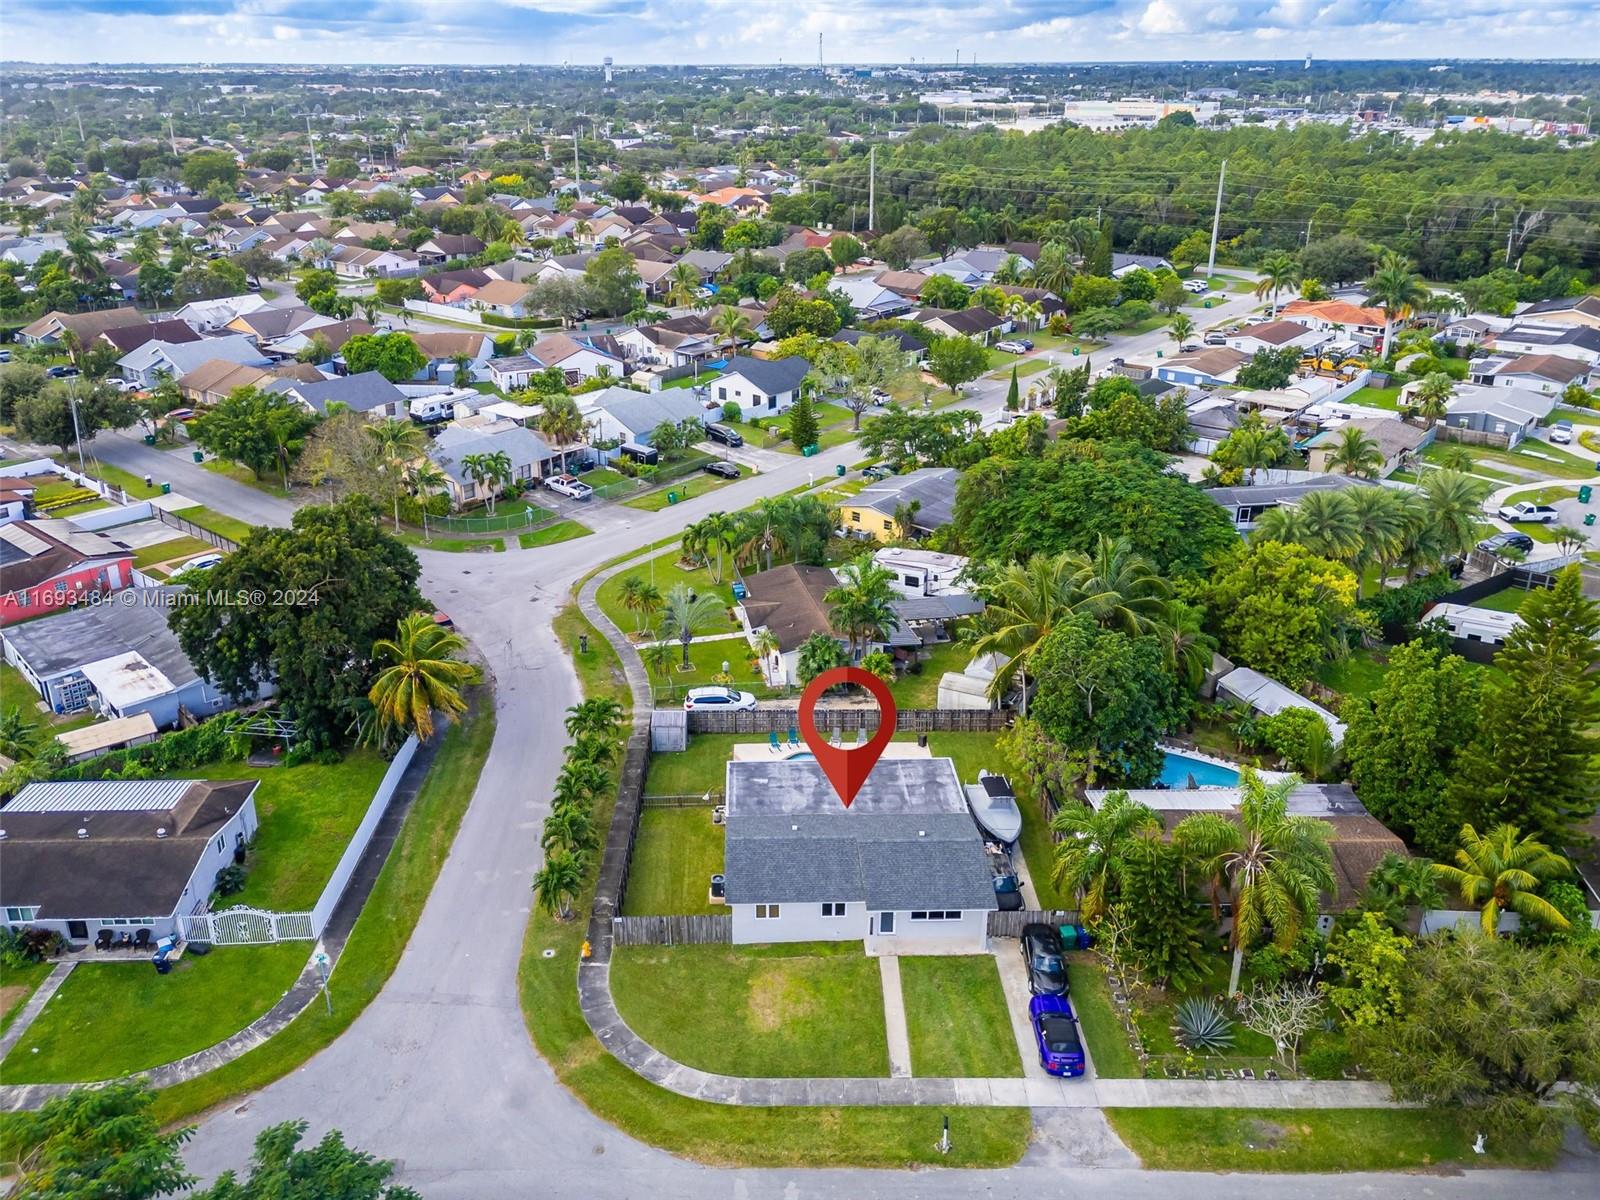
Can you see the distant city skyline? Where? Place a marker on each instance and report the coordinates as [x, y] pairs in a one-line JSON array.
[[716, 32]]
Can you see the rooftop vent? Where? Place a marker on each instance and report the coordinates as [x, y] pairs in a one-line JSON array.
[[161, 832], [922, 833], [83, 833], [2, 835], [794, 829]]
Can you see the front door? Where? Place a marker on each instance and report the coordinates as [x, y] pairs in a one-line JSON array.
[[77, 931], [886, 922]]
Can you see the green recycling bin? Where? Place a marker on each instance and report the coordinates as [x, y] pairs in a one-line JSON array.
[[1584, 493], [199, 456], [1077, 350], [1161, 353], [672, 497], [166, 489], [1588, 519], [149, 439], [839, 470], [1208, 304]]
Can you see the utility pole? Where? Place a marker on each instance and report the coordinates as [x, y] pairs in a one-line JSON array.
[[577, 169], [872, 188], [81, 138], [77, 434], [311, 141], [172, 137], [1216, 221]]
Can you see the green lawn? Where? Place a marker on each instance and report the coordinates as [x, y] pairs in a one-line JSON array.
[[164, 552], [665, 573], [598, 667], [112, 1019], [697, 770], [220, 523], [921, 690], [244, 475], [706, 659], [78, 509], [133, 484], [601, 476], [1549, 461], [16, 985], [560, 531], [1109, 1050], [1509, 600], [676, 853], [1544, 495], [956, 1016], [17, 693], [1376, 397], [307, 815], [1359, 674], [806, 1008], [685, 488], [1332, 1140]]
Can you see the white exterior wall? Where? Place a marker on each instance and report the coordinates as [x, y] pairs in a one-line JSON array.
[[799, 922], [743, 393], [969, 933]]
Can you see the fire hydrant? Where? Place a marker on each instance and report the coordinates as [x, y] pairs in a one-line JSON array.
[[587, 951]]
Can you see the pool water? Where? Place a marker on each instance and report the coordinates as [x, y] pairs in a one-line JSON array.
[[1177, 768]]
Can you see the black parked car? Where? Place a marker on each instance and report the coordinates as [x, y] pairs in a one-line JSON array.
[[1007, 888], [727, 470], [721, 433], [1041, 953], [1507, 541], [60, 372]]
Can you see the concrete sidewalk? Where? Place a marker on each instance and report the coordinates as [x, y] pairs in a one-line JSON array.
[[894, 1017]]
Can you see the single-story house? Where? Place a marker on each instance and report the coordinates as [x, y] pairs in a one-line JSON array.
[[1269, 697], [902, 869], [358, 262], [664, 345], [1122, 264], [514, 372], [579, 357], [976, 323], [47, 330], [974, 266], [1550, 374], [443, 246], [788, 602], [1276, 335], [915, 349], [1360, 323], [49, 564], [122, 854], [145, 365], [1394, 438], [1244, 505], [205, 316], [131, 337], [1568, 341], [120, 659], [871, 300], [502, 297], [1564, 310], [907, 283], [369, 392], [454, 288], [441, 349], [626, 415], [1510, 412], [331, 337], [709, 263], [929, 491], [760, 386], [270, 324], [531, 457], [1215, 366]]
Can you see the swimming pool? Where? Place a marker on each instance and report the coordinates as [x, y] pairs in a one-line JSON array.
[[1177, 768]]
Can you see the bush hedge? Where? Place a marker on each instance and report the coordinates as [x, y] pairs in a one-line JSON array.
[[211, 741], [489, 318], [1397, 610]]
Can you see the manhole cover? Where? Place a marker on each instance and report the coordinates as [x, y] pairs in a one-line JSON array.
[[549, 953]]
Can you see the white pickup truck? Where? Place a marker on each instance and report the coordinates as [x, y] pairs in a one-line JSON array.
[[569, 485], [1538, 514]]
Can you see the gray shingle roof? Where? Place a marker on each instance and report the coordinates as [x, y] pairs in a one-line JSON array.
[[773, 376], [933, 487], [907, 842], [361, 393], [643, 411]]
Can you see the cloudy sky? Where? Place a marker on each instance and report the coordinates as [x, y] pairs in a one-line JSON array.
[[732, 31]]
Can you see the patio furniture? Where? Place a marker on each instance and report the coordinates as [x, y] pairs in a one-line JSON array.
[[861, 737], [102, 940], [141, 939], [772, 742], [794, 738]]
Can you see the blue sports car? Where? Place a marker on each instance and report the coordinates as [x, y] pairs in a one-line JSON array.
[[1056, 1031]]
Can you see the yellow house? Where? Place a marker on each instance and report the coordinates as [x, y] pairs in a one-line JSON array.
[[927, 497]]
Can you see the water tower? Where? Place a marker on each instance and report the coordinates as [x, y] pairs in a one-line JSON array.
[[607, 62]]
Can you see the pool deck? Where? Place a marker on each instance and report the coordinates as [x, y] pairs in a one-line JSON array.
[[763, 751]]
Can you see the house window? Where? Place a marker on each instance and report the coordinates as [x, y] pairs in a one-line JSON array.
[[888, 525], [722, 393], [21, 914], [833, 908], [937, 915], [219, 843], [767, 912], [856, 517], [911, 581]]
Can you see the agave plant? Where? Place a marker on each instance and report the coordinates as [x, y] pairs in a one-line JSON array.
[[1203, 1026]]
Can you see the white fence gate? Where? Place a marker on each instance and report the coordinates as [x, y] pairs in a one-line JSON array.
[[248, 926]]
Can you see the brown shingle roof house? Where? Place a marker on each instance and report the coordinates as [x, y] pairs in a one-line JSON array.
[[788, 601]]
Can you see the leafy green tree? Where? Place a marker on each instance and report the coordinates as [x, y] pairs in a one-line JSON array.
[[1091, 291], [264, 431], [395, 356], [789, 313], [1370, 959], [819, 653], [156, 284], [1274, 866], [1253, 446], [1281, 609], [1022, 607], [941, 291], [844, 250], [1269, 369], [316, 280], [1404, 743], [98, 1144], [803, 428], [1164, 930], [1532, 762], [956, 360], [205, 167], [862, 605], [46, 417], [899, 247], [877, 365], [1338, 260], [1500, 1032], [422, 674], [613, 281], [357, 584], [1090, 848], [1499, 870], [281, 1170]]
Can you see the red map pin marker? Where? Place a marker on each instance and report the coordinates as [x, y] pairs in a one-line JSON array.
[[847, 768]]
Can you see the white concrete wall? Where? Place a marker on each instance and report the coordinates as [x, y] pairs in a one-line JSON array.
[[971, 932], [799, 922]]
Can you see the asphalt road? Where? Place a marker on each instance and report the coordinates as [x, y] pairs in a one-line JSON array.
[[126, 449], [438, 1073]]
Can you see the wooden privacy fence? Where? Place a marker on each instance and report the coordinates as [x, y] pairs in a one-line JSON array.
[[907, 720], [672, 931], [1009, 924]]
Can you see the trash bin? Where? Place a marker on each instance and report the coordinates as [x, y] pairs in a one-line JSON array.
[[199, 456], [1161, 353], [672, 497], [1584, 493], [166, 489], [1077, 350], [1588, 519], [839, 470], [149, 439]]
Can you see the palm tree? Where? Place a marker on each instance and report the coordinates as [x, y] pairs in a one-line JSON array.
[[421, 675], [684, 287], [1181, 328], [1431, 401], [657, 658], [641, 598], [597, 716], [762, 530], [1088, 852], [1274, 866], [717, 532], [1054, 269], [1252, 446], [557, 884], [491, 469], [1117, 586], [1025, 604], [1330, 524], [562, 424], [398, 444], [685, 614], [862, 605], [569, 828], [1500, 870], [1282, 523], [1280, 272], [763, 645], [1395, 286], [1381, 518], [1186, 646], [731, 326], [19, 737], [1455, 507], [1355, 454]]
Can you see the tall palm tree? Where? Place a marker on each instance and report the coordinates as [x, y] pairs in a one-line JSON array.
[[1185, 644], [762, 531], [717, 533], [1025, 604], [1273, 865], [493, 469], [685, 614], [1181, 328], [1499, 870], [1117, 586], [557, 884], [1280, 272], [1380, 517], [684, 284], [1431, 401], [641, 598], [1090, 844], [1398, 288], [562, 424], [862, 605], [1455, 504], [421, 675], [1054, 269], [763, 645], [731, 326], [1330, 524], [19, 737], [398, 444], [1355, 453], [598, 715]]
